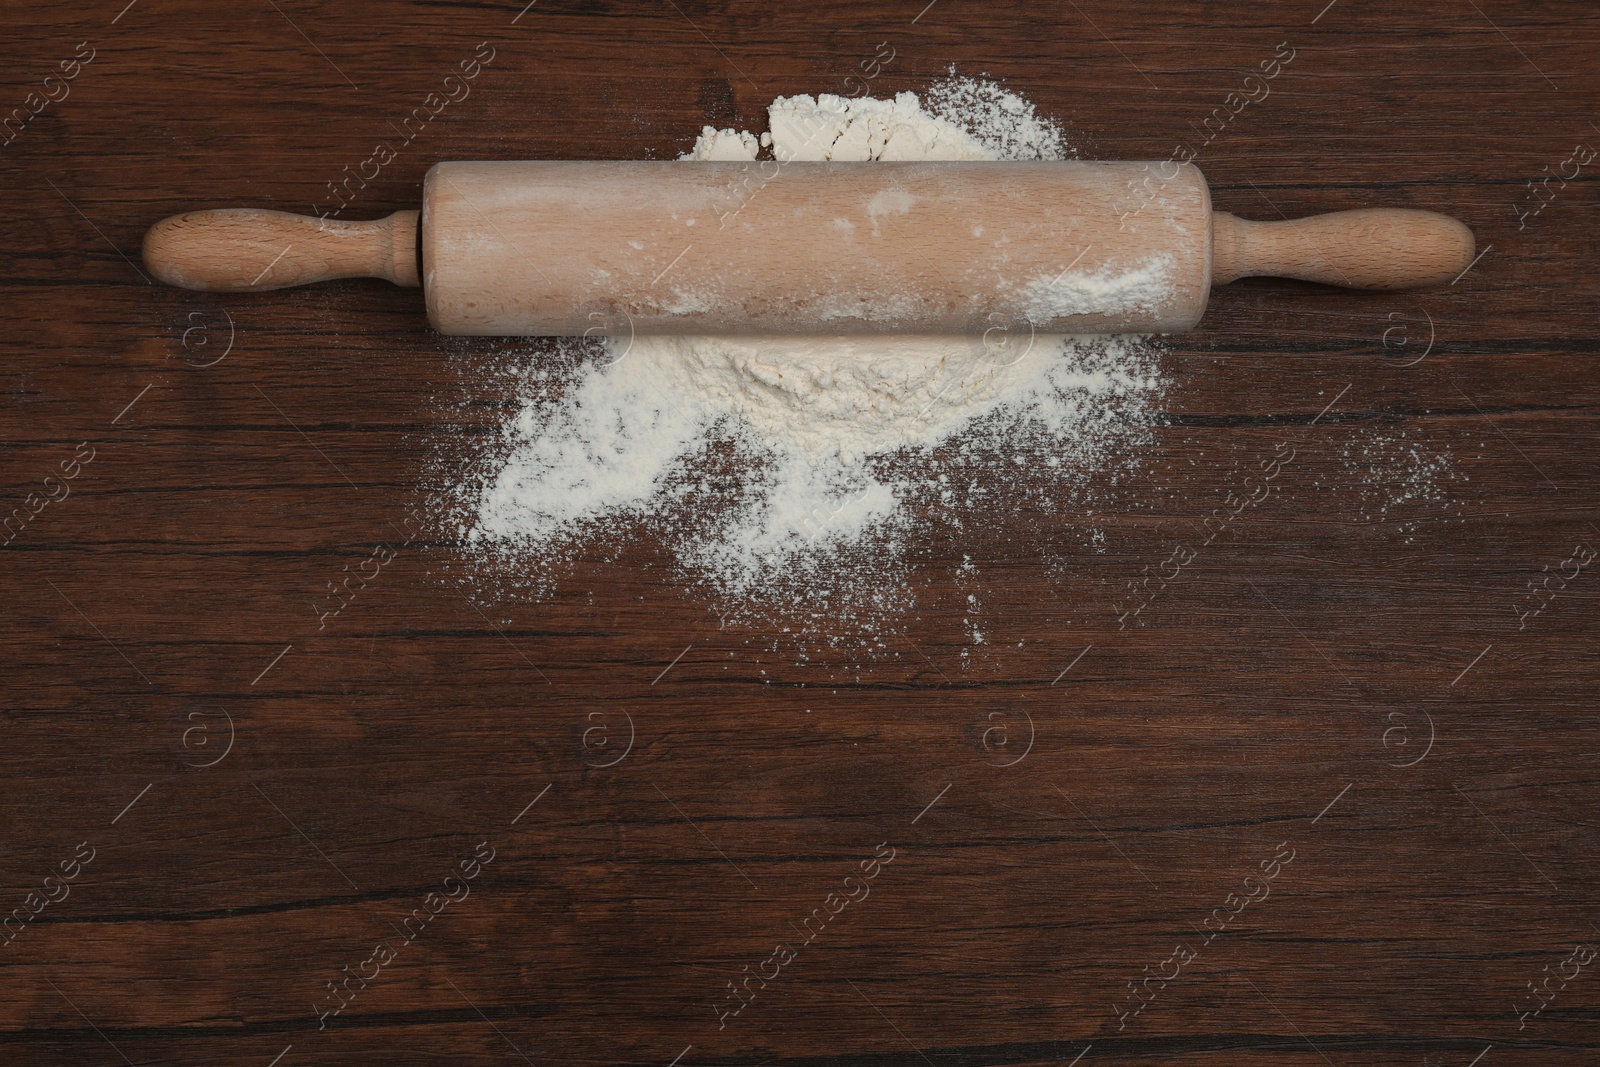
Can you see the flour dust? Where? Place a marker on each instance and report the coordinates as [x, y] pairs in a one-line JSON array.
[[1393, 471]]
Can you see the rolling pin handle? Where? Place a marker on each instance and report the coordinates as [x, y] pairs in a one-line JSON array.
[[233, 250], [1368, 248]]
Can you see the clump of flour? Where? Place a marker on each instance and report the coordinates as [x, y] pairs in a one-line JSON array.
[[793, 478]]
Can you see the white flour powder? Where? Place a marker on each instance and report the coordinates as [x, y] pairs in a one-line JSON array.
[[964, 118], [1393, 471], [793, 478], [1145, 288]]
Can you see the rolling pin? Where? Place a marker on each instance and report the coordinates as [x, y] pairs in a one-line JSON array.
[[578, 248]]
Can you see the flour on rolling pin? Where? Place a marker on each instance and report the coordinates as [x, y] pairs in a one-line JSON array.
[[904, 246]]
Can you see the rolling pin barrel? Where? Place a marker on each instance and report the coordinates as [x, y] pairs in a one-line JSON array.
[[845, 248]]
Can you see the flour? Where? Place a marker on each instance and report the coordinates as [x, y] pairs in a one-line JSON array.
[[1144, 288], [793, 479], [1393, 470], [964, 119], [728, 145]]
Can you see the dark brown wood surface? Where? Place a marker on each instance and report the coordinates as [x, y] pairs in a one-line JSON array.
[[1350, 673]]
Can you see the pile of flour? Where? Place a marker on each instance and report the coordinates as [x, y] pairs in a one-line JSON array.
[[792, 478], [964, 118]]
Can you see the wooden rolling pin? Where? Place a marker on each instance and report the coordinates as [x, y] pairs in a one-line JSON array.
[[579, 248]]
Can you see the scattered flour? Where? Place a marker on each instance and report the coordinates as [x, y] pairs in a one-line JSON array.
[[1393, 470], [795, 479]]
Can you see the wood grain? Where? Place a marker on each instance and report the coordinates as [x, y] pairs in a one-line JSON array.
[[1354, 669], [1368, 248], [561, 247], [227, 250]]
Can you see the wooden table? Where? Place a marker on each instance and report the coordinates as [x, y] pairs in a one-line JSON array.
[[1355, 733]]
